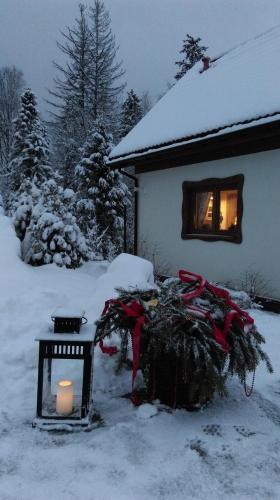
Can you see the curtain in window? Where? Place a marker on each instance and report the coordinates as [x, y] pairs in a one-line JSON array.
[[202, 206]]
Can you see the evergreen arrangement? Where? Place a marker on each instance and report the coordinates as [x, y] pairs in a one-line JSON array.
[[131, 113], [53, 235], [183, 354], [102, 196], [192, 53]]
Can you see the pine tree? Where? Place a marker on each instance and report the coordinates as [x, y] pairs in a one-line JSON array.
[[131, 113], [146, 102], [86, 87], [11, 87], [193, 52], [107, 72], [53, 235], [23, 126], [102, 195], [29, 166], [71, 103]]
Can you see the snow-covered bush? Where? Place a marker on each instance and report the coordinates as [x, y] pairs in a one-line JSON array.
[[53, 235]]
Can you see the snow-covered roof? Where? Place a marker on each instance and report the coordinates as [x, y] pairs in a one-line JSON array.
[[240, 88]]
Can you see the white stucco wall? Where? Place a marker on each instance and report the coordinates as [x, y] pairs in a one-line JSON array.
[[160, 222]]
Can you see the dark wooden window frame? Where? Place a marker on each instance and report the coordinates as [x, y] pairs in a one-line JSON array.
[[216, 185]]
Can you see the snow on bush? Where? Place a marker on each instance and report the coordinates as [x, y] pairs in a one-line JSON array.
[[29, 166], [53, 235], [102, 196]]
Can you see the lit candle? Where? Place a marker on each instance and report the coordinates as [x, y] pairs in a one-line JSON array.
[[64, 397]]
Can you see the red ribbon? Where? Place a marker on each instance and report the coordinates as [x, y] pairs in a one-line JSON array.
[[242, 317], [107, 349], [132, 310]]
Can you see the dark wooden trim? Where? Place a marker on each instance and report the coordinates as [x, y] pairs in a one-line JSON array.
[[249, 140], [268, 304], [216, 185]]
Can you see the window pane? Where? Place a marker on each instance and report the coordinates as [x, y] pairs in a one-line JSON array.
[[228, 210], [203, 216]]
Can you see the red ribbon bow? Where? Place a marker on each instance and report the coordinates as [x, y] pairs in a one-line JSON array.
[[132, 310], [242, 317]]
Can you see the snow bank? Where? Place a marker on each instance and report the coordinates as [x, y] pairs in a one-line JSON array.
[[138, 453], [126, 271], [9, 244]]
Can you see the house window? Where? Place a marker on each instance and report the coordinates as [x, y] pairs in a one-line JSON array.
[[212, 209]]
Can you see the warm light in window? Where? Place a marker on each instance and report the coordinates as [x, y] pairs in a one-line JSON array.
[[228, 210]]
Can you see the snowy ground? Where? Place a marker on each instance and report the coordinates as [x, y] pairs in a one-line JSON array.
[[231, 449]]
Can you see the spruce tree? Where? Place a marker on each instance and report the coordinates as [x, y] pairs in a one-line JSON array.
[[107, 71], [146, 102], [11, 87], [102, 195], [29, 166], [53, 235], [23, 126], [131, 113], [87, 87], [192, 52], [71, 96]]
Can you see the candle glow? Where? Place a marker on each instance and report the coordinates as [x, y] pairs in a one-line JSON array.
[[64, 398]]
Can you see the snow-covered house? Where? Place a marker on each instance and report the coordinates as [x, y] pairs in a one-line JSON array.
[[207, 157]]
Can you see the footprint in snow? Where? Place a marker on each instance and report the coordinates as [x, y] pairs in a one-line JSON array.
[[212, 430], [243, 431], [199, 446]]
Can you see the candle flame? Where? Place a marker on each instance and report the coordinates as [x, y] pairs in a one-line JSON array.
[[65, 383]]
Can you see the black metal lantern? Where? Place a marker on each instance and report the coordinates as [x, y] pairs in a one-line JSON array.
[[65, 374]]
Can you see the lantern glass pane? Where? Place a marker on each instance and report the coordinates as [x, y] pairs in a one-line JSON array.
[[62, 388]]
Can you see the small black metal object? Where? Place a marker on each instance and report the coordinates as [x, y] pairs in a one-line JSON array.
[[68, 324]]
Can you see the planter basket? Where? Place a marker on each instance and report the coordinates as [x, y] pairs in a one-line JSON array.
[[165, 381]]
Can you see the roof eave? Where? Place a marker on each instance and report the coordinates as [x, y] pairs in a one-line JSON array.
[[249, 140]]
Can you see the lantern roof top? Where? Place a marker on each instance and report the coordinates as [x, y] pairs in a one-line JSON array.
[[86, 335], [63, 312]]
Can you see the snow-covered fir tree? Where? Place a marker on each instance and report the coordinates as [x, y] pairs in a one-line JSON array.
[[131, 113], [35, 170], [11, 87], [70, 99], [67, 170], [146, 102], [23, 125], [102, 195], [87, 87], [192, 52], [29, 166], [107, 70], [53, 235]]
